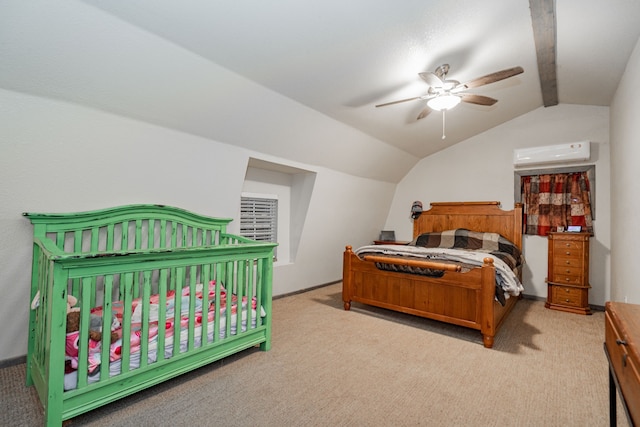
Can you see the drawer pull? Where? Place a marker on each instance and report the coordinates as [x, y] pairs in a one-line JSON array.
[[567, 300], [568, 262], [621, 342], [568, 271], [568, 245]]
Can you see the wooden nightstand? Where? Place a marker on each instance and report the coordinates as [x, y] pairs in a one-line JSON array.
[[568, 272]]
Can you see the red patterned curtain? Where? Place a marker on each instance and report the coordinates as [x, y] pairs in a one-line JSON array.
[[556, 200]]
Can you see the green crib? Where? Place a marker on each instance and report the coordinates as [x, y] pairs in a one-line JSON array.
[[166, 290]]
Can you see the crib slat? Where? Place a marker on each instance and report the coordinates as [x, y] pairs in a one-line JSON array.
[[93, 247], [204, 330], [60, 239], [252, 291], [146, 300], [259, 289], [241, 289], [177, 312], [92, 294], [94, 239], [127, 286], [216, 320], [185, 236], [192, 309], [162, 313], [77, 241], [229, 305], [163, 233], [137, 244], [124, 242], [106, 326], [83, 338], [174, 234], [110, 228], [151, 234], [264, 278], [136, 286]]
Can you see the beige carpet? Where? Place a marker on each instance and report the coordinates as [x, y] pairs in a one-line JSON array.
[[370, 367]]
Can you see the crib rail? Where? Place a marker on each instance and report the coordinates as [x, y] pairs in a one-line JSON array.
[[126, 228], [172, 309]]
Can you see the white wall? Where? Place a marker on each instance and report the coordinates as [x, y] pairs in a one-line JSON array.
[[481, 168], [72, 51], [60, 157], [625, 190]]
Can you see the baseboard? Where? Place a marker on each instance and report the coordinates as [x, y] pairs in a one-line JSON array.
[[13, 361], [533, 297], [301, 291], [537, 298]]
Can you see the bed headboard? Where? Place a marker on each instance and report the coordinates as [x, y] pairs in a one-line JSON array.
[[475, 216]]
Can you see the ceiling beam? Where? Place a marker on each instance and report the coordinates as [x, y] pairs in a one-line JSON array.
[[543, 18]]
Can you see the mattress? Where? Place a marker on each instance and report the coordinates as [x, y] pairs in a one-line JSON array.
[[95, 365]]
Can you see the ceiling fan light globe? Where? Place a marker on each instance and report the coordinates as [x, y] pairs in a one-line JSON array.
[[443, 102]]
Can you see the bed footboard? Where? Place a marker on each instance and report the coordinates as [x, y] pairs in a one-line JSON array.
[[461, 298]]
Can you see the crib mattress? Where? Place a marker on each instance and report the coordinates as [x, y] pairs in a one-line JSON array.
[[95, 364], [115, 366]]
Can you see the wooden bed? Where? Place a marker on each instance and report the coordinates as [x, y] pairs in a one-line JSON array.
[[465, 299]]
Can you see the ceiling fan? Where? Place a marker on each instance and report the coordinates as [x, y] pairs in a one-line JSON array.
[[444, 94]]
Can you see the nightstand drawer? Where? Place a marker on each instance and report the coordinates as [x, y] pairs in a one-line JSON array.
[[562, 246], [562, 253], [566, 296], [560, 262], [566, 279], [567, 269]]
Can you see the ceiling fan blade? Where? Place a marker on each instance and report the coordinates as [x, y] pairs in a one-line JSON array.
[[472, 98], [424, 113], [399, 101], [493, 77], [431, 79]]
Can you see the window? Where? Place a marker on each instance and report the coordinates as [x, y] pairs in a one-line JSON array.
[[556, 199], [259, 218], [292, 187]]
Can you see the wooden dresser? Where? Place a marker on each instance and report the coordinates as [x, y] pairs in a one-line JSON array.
[[622, 346], [568, 272]]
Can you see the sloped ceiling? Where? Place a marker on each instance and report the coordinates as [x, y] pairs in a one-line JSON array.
[[339, 58]]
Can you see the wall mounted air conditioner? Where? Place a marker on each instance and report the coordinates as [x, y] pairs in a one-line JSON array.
[[561, 153]]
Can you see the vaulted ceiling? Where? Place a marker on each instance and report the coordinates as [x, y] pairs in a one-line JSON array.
[[341, 58]]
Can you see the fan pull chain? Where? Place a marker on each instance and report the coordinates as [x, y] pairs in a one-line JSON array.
[[443, 124]]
